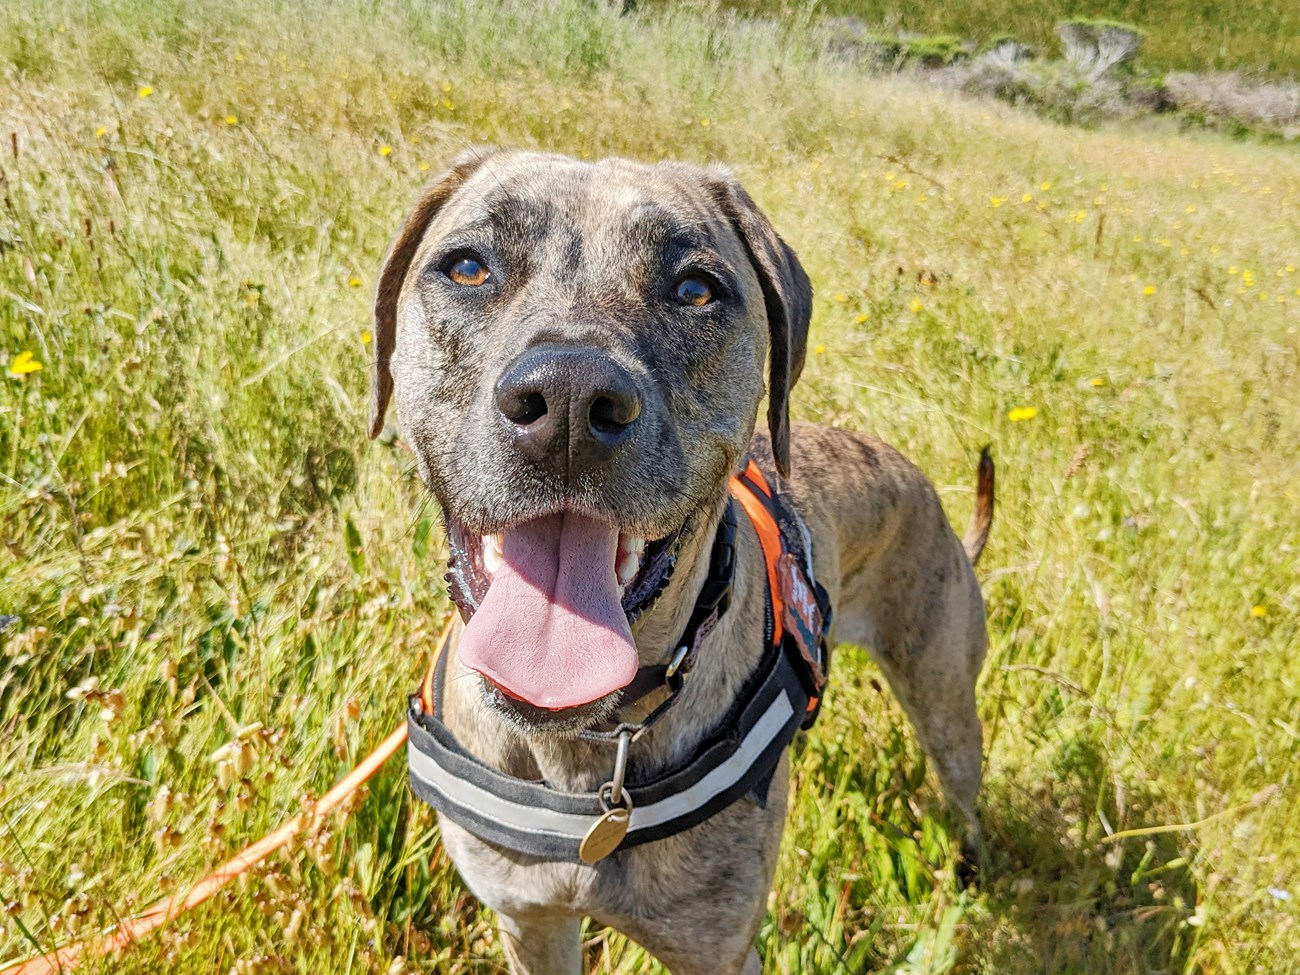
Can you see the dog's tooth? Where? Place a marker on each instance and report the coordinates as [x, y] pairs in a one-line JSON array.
[[628, 563], [635, 544], [492, 545]]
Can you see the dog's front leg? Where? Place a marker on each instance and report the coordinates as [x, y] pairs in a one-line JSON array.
[[542, 944]]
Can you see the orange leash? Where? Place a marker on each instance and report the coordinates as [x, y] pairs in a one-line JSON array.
[[168, 908]]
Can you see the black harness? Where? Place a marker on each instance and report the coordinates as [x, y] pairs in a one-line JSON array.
[[738, 758]]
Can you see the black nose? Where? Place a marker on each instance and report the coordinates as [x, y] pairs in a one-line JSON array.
[[568, 409]]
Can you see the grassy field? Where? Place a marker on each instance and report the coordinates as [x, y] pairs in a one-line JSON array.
[[223, 591], [1251, 35]]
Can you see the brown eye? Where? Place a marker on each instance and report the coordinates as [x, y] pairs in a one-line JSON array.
[[469, 271], [693, 291]]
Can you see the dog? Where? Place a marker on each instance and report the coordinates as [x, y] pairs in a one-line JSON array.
[[576, 355]]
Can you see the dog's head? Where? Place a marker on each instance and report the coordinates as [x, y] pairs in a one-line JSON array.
[[576, 354]]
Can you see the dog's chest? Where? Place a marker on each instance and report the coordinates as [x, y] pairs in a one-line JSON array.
[[518, 886]]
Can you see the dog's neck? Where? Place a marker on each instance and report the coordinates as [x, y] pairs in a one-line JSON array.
[[727, 656]]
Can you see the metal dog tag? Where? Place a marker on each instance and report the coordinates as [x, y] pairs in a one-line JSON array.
[[605, 835]]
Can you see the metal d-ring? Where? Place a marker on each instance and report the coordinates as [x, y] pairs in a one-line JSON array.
[[607, 799]]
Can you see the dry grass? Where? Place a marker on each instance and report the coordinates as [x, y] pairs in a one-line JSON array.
[[201, 547]]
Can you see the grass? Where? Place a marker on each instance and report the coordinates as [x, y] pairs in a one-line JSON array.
[[1255, 35], [201, 547]]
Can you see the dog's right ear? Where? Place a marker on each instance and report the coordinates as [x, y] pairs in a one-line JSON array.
[[398, 262]]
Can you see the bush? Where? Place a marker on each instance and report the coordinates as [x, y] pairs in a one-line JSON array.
[[1100, 47]]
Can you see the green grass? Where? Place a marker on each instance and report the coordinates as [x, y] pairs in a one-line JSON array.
[[1193, 35], [191, 514]]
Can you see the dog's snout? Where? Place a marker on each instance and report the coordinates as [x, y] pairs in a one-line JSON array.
[[568, 409]]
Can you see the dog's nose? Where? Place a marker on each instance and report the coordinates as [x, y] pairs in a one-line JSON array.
[[568, 408]]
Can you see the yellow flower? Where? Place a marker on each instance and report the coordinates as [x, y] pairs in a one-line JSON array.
[[997, 201], [101, 132], [1045, 185], [1027, 198], [915, 306], [1149, 290], [1022, 413], [24, 363], [424, 167], [232, 120], [365, 338], [446, 86], [385, 150], [704, 123], [841, 297], [144, 92], [449, 105], [1097, 381], [819, 350], [1259, 612], [354, 282], [861, 319]]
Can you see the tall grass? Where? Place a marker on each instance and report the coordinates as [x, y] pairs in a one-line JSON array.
[[200, 548]]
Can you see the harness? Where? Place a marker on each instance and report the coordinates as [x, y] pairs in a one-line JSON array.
[[738, 758]]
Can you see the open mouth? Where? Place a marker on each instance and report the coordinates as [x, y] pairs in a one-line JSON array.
[[549, 603]]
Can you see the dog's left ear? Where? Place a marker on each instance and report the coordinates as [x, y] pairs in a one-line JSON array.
[[787, 295], [398, 263]]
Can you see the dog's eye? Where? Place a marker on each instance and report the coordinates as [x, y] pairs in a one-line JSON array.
[[693, 291], [467, 270]]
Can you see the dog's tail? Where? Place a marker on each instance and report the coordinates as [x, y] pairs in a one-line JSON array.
[[982, 520]]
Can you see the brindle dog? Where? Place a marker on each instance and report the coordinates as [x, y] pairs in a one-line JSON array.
[[576, 352]]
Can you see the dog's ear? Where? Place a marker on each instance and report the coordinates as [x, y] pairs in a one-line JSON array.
[[398, 263], [787, 295]]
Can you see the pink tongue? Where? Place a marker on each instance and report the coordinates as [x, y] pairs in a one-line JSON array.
[[551, 630]]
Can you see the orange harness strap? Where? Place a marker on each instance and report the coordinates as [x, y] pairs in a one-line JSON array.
[[769, 536], [746, 489], [166, 909]]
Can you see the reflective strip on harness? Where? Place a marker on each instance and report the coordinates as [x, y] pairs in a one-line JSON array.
[[531, 817]]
